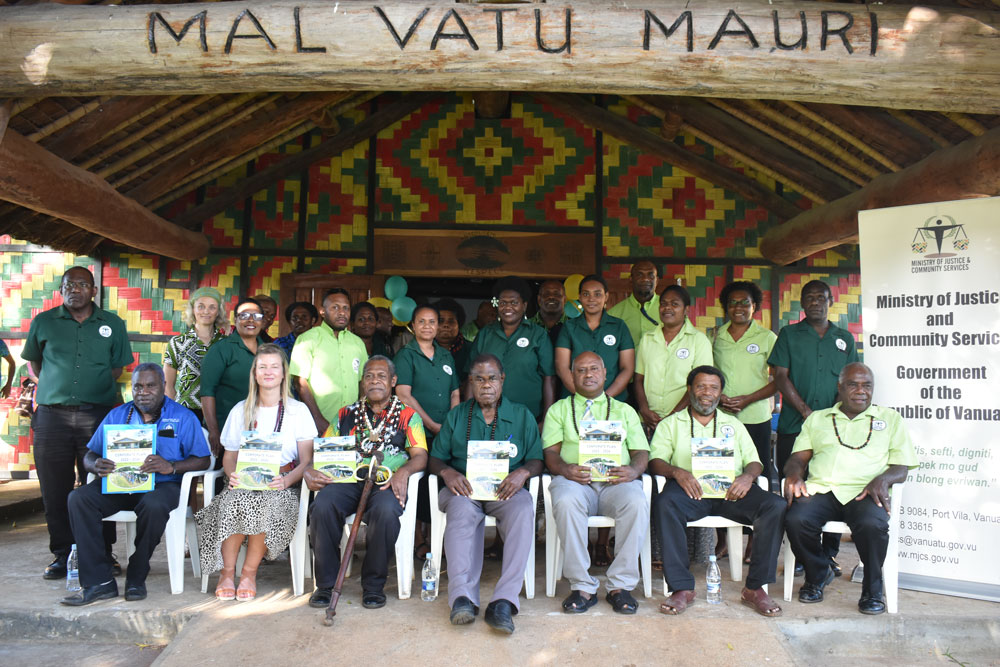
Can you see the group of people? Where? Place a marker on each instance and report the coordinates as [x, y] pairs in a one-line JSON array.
[[422, 399]]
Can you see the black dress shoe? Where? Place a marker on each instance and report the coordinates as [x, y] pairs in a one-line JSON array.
[[499, 616], [321, 598], [92, 594], [810, 593], [372, 600], [463, 611], [835, 566], [871, 605], [56, 569], [134, 591]]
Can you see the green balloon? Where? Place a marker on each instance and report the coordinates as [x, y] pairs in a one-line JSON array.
[[402, 308], [573, 309], [395, 288]]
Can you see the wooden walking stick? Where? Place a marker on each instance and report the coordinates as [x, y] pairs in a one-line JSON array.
[[374, 463]]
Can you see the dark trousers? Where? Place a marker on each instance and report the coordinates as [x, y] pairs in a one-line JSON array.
[[831, 541], [761, 436], [869, 526], [764, 511], [87, 509], [60, 443], [331, 507]]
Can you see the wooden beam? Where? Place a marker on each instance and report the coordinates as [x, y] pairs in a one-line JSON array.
[[96, 125], [36, 179], [968, 170], [624, 130], [881, 130], [335, 145], [899, 56]]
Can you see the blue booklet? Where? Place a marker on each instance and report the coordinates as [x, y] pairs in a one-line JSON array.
[[128, 445]]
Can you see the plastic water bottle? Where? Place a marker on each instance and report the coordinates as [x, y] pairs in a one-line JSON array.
[[713, 582], [429, 588], [73, 571]]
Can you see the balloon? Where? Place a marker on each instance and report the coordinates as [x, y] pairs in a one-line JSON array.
[[572, 285], [573, 309], [395, 287], [380, 302], [402, 309]]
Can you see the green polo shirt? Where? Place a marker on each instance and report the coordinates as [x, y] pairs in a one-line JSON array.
[[331, 365], [225, 374], [560, 428], [609, 338], [813, 364], [672, 439], [630, 311], [77, 357], [665, 367], [845, 471], [431, 381], [516, 424], [744, 363], [527, 359]]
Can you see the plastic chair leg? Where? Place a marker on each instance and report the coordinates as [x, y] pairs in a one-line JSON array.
[[734, 542], [646, 566], [789, 570], [191, 532], [174, 538]]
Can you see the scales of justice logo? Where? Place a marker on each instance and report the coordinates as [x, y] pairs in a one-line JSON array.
[[939, 229]]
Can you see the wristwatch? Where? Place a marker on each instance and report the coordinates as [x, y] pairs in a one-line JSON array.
[[174, 465]]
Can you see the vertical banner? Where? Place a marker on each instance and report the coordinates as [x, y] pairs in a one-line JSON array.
[[930, 286]]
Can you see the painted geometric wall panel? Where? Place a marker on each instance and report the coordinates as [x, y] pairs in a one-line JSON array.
[[276, 208], [337, 210]]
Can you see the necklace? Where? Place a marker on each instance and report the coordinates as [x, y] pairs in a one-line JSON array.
[[871, 427], [493, 426], [131, 411], [714, 421], [572, 407], [281, 418], [379, 434]]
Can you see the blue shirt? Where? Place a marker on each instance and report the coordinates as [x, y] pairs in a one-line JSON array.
[[187, 440]]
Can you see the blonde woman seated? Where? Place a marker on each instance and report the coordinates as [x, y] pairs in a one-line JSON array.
[[265, 520]]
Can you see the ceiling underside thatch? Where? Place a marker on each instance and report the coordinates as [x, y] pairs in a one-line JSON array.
[[156, 149]]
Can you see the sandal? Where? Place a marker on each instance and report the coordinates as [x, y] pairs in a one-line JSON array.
[[577, 604], [622, 602], [760, 602], [226, 589], [247, 589], [602, 555], [420, 551], [677, 603]]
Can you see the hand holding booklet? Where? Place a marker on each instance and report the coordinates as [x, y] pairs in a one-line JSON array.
[[713, 464], [600, 447], [487, 466], [336, 457], [128, 446], [259, 460]]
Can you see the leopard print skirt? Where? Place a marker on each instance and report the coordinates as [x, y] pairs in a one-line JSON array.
[[243, 512]]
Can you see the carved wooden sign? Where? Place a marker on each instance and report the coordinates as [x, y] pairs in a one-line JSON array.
[[887, 55]]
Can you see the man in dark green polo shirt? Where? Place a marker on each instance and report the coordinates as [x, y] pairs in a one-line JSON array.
[[77, 351], [486, 417], [551, 308]]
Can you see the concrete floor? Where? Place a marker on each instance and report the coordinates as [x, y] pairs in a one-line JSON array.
[[280, 629]]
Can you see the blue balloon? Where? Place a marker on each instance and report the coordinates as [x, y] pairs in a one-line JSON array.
[[395, 288], [402, 308]]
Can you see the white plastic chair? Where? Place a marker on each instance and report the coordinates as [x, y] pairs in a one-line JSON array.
[[734, 534], [181, 524], [890, 569], [554, 555], [439, 521]]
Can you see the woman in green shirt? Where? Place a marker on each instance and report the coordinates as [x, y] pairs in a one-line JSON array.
[[425, 371], [205, 317]]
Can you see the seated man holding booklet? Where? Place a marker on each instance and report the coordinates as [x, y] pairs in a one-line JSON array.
[[711, 467], [398, 432], [165, 441], [596, 450], [486, 450]]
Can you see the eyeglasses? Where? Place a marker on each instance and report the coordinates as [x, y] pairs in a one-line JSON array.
[[741, 302], [72, 285], [245, 316]]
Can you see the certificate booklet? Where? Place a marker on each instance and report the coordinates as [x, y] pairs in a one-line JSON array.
[[336, 457], [713, 464], [601, 447], [487, 467], [128, 446], [259, 460]]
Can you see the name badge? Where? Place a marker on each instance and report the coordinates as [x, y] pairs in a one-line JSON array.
[[105, 331], [841, 345], [878, 425], [523, 342], [683, 353], [753, 348], [447, 369], [727, 431], [356, 364], [610, 340]]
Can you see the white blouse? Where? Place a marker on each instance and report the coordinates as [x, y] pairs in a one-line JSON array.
[[297, 424]]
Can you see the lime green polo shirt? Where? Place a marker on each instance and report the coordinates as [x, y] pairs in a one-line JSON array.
[[744, 363], [630, 311], [225, 374], [560, 428], [844, 471], [331, 364], [515, 424], [431, 381], [609, 338], [527, 359], [813, 364], [470, 331], [77, 357], [665, 367], [672, 439]]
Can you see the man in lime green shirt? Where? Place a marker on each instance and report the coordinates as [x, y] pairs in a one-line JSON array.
[[327, 361], [640, 309], [854, 453], [681, 499], [574, 497]]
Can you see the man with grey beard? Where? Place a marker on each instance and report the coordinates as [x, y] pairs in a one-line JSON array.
[[681, 499]]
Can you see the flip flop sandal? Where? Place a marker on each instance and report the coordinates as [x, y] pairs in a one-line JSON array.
[[577, 604], [677, 603], [760, 602], [622, 602]]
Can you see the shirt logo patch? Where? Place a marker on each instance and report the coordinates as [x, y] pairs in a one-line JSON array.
[[356, 364], [841, 345], [105, 331], [523, 342], [753, 348], [878, 425], [728, 431], [447, 369], [610, 340], [683, 353]]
